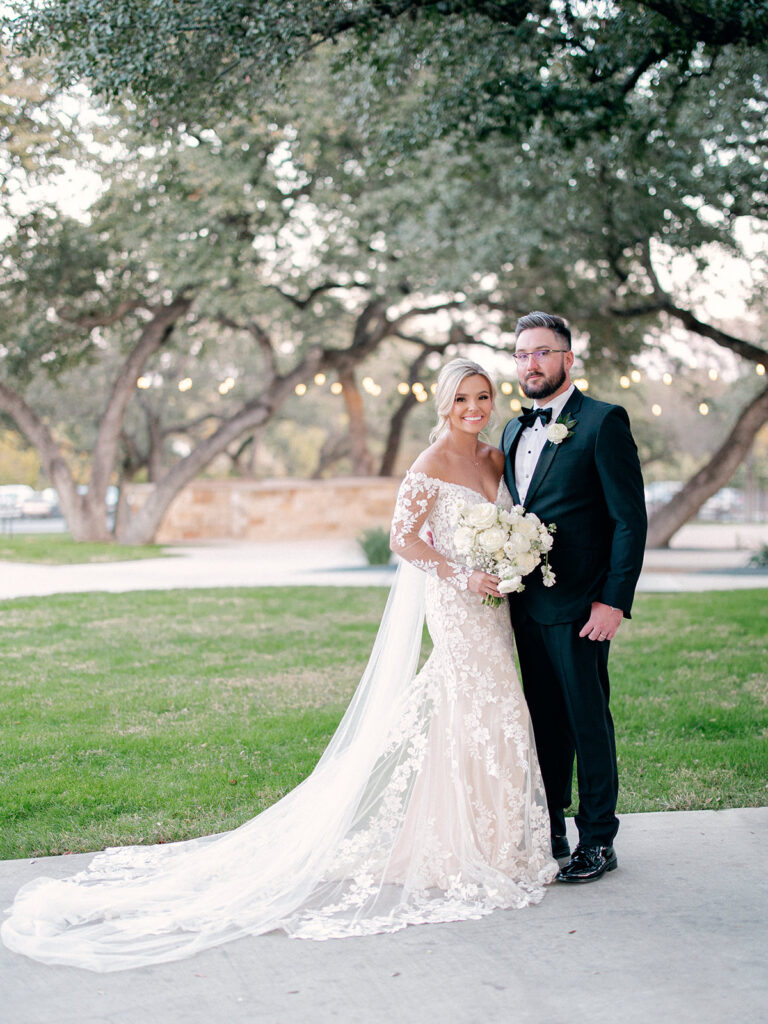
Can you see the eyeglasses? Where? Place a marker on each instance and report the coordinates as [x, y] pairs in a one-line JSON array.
[[540, 354]]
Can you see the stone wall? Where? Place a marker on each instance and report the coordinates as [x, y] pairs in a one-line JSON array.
[[275, 510]]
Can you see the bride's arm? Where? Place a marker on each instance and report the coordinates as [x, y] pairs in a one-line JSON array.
[[415, 500]]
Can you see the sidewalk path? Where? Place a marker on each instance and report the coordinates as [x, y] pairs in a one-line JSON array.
[[677, 934], [705, 557]]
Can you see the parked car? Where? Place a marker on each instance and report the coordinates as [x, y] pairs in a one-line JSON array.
[[12, 495], [727, 503], [659, 492], [39, 505]]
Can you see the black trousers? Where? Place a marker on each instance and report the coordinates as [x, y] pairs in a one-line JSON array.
[[565, 680]]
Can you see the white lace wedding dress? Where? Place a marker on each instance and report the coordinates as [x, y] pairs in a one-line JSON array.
[[427, 805]]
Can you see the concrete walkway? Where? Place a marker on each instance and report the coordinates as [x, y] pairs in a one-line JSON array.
[[677, 934], [704, 557]]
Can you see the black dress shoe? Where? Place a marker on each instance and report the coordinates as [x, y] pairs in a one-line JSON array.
[[588, 863], [560, 847]]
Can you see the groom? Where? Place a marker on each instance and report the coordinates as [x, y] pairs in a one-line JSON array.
[[572, 461]]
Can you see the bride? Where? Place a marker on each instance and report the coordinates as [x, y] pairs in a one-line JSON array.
[[427, 805]]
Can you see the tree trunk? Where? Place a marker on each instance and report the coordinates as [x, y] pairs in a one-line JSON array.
[[665, 523], [154, 335], [395, 435], [362, 461]]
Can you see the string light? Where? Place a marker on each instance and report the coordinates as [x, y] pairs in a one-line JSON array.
[[422, 396], [713, 374], [656, 409], [403, 388], [226, 385], [704, 409], [144, 383], [760, 370], [433, 387], [624, 382], [320, 379], [300, 389], [185, 384], [667, 379], [515, 404], [370, 385], [581, 383], [506, 388], [417, 388], [336, 388], [636, 376]]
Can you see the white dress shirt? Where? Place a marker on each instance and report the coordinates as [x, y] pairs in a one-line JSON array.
[[531, 443]]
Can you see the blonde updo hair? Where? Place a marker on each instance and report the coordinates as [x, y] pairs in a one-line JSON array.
[[448, 381]]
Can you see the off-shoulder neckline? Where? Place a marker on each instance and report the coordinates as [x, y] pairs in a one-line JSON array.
[[453, 483]]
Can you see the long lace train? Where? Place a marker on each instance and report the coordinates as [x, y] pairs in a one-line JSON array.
[[427, 805]]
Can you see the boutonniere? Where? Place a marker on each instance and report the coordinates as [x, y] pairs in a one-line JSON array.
[[561, 429]]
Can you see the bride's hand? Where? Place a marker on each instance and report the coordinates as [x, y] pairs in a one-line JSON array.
[[483, 583]]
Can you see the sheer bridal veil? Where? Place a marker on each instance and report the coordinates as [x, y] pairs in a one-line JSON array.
[[320, 863]]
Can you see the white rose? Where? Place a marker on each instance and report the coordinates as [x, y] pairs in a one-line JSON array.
[[557, 432], [463, 540], [545, 541], [508, 518], [492, 539], [510, 586], [516, 544], [526, 562], [527, 528], [481, 516]]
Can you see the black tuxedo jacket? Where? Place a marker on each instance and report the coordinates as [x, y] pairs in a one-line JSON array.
[[590, 485]]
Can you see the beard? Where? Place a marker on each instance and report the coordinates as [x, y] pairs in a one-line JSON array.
[[544, 387]]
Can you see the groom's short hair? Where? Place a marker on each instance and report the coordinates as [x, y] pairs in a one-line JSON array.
[[539, 319]]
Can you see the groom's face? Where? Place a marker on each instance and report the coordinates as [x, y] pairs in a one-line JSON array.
[[545, 371]]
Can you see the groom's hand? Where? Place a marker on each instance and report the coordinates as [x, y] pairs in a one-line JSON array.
[[603, 622]]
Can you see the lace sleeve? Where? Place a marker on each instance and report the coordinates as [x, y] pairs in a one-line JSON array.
[[415, 500]]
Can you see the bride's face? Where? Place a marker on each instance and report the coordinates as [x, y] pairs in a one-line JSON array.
[[472, 405]]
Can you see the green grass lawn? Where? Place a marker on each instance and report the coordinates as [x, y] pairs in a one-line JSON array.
[[60, 549], [149, 717]]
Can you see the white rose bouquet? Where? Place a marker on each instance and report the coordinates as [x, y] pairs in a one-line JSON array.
[[507, 544]]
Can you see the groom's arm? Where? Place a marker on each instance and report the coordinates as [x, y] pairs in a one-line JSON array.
[[619, 470]]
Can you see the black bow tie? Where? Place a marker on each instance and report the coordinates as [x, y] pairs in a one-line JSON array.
[[529, 416]]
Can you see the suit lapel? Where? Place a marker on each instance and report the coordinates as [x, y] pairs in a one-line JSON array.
[[549, 452]]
